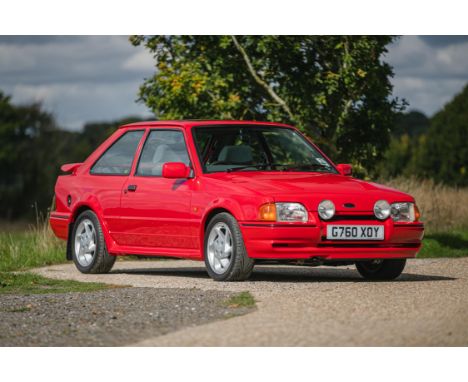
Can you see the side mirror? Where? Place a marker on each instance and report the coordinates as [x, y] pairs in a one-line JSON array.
[[175, 170], [345, 169]]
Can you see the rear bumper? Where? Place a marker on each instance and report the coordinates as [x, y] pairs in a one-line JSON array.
[[59, 224], [288, 242]]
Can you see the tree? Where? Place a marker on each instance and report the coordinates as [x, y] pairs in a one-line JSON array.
[[334, 88], [32, 149], [444, 155], [413, 123], [406, 141], [28, 151]]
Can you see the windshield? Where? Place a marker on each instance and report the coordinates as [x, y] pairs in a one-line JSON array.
[[256, 148]]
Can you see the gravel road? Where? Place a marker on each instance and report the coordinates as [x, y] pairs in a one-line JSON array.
[[300, 306], [108, 317]]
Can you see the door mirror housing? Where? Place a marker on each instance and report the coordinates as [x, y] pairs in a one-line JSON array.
[[175, 170], [345, 169]]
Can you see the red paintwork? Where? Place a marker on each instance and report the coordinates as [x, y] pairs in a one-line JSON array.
[[70, 167], [167, 216], [344, 169], [175, 170]]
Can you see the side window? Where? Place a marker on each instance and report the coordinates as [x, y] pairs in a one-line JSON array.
[[118, 158], [160, 147]]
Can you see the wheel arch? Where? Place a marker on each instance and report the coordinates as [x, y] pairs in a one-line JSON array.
[[75, 213], [79, 209]]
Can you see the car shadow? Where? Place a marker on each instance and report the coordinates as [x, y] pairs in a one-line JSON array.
[[281, 274]]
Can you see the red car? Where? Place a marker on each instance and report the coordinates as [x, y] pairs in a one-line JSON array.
[[231, 193]]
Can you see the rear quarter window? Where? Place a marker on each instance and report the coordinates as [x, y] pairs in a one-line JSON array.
[[118, 158]]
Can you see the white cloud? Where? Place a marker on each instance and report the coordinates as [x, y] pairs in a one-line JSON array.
[[139, 61], [79, 78], [76, 104], [428, 74]]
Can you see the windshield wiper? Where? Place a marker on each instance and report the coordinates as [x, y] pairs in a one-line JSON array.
[[287, 167], [307, 166], [261, 165]]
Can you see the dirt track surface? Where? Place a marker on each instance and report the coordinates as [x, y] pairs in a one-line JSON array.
[[300, 306]]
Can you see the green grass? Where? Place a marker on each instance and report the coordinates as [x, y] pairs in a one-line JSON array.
[[241, 300], [35, 247], [30, 283], [32, 248], [445, 244]]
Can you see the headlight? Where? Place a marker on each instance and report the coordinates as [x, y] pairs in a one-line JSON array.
[[326, 209], [382, 209], [403, 212], [283, 212], [291, 212]]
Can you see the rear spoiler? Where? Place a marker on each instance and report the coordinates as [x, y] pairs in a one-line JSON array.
[[70, 167]]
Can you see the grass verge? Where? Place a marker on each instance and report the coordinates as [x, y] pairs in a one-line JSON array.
[[35, 247], [30, 283], [445, 244], [240, 300]]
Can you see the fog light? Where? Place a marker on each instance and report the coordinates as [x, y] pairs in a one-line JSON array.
[[326, 209], [382, 209]]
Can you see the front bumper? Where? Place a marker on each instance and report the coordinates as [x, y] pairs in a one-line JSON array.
[[304, 241]]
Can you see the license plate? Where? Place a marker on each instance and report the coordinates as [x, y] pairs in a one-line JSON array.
[[355, 232]]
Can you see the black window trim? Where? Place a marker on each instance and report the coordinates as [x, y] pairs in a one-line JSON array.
[[135, 173], [110, 146]]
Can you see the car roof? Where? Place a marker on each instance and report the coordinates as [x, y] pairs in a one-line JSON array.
[[192, 123]]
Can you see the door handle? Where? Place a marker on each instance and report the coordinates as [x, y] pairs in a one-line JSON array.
[[132, 187]]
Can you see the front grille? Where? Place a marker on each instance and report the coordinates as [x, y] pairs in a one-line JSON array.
[[352, 217]]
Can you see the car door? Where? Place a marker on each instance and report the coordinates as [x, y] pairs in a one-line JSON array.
[[108, 175], [155, 211]]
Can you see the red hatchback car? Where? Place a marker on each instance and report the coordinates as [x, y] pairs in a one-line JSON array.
[[231, 193]]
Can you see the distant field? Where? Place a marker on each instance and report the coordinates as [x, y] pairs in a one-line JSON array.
[[443, 208]]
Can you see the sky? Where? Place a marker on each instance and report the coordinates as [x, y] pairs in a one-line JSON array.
[[96, 78], [429, 70]]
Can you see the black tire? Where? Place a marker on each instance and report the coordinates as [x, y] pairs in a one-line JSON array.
[[381, 269], [241, 264], [101, 262]]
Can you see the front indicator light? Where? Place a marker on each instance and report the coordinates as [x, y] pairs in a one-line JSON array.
[[417, 213], [268, 212]]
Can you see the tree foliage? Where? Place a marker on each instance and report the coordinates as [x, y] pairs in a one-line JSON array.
[[433, 148], [32, 149], [334, 88], [407, 139], [24, 166], [444, 156]]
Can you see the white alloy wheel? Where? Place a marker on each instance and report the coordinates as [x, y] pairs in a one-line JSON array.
[[220, 248], [85, 242]]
